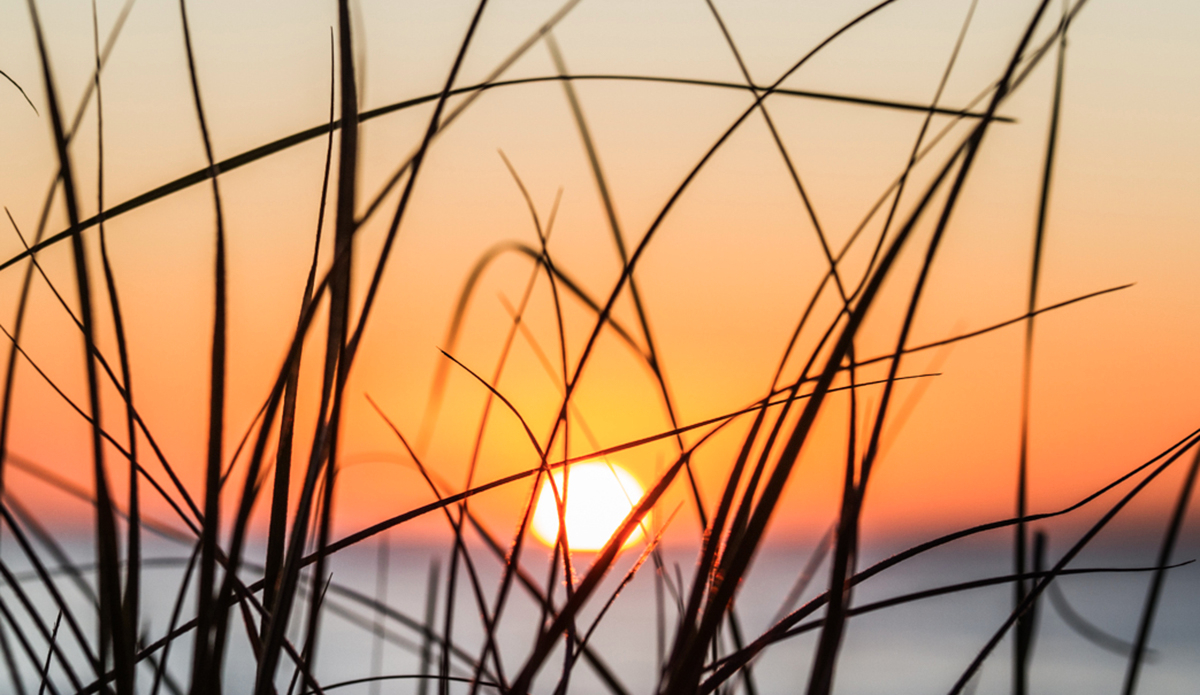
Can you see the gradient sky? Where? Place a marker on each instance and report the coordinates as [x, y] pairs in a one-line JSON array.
[[724, 280]]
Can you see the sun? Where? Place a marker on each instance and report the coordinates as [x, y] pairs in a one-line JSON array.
[[599, 497]]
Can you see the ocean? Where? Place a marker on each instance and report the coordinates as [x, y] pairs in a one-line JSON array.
[[919, 647]]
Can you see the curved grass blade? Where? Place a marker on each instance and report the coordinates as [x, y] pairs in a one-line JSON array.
[[845, 549], [111, 624], [721, 671], [534, 661], [289, 141], [561, 546], [14, 83], [207, 652], [339, 308], [456, 526], [1089, 631], [1146, 622], [652, 357], [512, 562], [1023, 634], [131, 597], [277, 533], [466, 293], [423, 678], [646, 553], [1079, 545], [754, 648]]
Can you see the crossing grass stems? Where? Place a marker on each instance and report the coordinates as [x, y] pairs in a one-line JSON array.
[[707, 648]]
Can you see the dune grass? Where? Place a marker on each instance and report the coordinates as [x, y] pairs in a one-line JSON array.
[[264, 583]]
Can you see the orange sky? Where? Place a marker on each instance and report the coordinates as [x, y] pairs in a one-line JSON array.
[[723, 281]]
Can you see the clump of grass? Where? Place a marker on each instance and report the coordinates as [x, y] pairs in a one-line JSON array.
[[276, 602]]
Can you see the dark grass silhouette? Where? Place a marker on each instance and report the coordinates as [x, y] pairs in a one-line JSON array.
[[279, 611]]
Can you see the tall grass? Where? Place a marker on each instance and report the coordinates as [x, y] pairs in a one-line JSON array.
[[255, 595]]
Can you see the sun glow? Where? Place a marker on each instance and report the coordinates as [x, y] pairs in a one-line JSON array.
[[598, 498]]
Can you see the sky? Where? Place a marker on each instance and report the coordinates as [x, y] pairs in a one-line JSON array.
[[724, 279]]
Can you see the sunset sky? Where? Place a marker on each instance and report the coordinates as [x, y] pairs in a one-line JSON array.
[[724, 279]]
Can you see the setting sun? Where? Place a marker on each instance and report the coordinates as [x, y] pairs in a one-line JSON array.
[[599, 497]]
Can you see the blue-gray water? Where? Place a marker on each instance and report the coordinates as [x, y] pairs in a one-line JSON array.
[[920, 647]]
